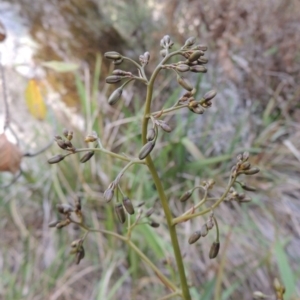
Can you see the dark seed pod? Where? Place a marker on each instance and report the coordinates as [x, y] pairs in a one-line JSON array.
[[115, 96], [56, 159], [150, 134], [195, 55], [113, 79], [190, 42], [210, 95], [79, 255], [128, 205], [194, 237], [182, 68], [53, 223], [164, 126], [198, 69], [154, 224], [186, 196], [146, 150], [149, 212], [204, 230], [245, 165], [248, 188], [87, 156], [202, 60], [108, 194], [252, 171], [209, 224], [120, 212], [62, 144], [112, 55], [214, 250], [184, 83]]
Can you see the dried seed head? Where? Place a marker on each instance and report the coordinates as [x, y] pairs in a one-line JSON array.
[[87, 156], [64, 208], [53, 223], [252, 171], [56, 159], [214, 250], [113, 55], [194, 237], [189, 42], [120, 212], [79, 255], [146, 150], [187, 195], [115, 96], [195, 55], [210, 95], [154, 224], [184, 83], [204, 230], [128, 205], [91, 137], [149, 212], [108, 194], [150, 134], [198, 69], [182, 68], [113, 79], [164, 126]]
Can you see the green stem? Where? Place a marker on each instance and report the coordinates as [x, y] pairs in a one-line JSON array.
[[159, 187]]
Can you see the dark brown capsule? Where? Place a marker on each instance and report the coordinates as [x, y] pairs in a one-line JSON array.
[[56, 159], [112, 55], [87, 156], [128, 205], [252, 171], [113, 79], [214, 250], [115, 96], [120, 212], [154, 224], [108, 194], [79, 255], [187, 195], [146, 150], [194, 237]]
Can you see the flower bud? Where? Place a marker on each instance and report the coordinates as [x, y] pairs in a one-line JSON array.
[[149, 212], [53, 223], [118, 61], [113, 79], [248, 188], [108, 194], [204, 230], [146, 150], [259, 295], [210, 95], [164, 126], [56, 159], [194, 237], [252, 171], [245, 165], [119, 72], [185, 196], [154, 224], [120, 212], [245, 156], [202, 60], [112, 55], [189, 42], [195, 55], [209, 224], [115, 96], [128, 205], [79, 255], [150, 134], [214, 250], [198, 69], [87, 156], [163, 52], [64, 208], [182, 68], [91, 137], [184, 83]]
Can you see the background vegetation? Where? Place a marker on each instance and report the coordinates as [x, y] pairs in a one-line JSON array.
[[254, 64]]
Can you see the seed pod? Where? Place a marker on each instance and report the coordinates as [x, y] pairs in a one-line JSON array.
[[112, 55], [119, 209], [53, 223], [164, 126], [198, 69], [63, 223], [128, 205], [118, 61], [252, 171], [189, 42], [79, 255], [56, 159], [154, 224], [195, 55], [202, 60], [146, 150], [76, 243], [149, 212], [108, 194], [204, 230], [184, 83], [182, 68], [113, 79], [62, 144], [209, 95], [115, 96], [87, 156], [64, 208], [119, 72], [245, 156], [209, 224], [214, 250], [186, 196], [150, 134], [91, 137], [194, 237], [248, 188], [197, 110], [200, 47], [245, 165], [163, 52]]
